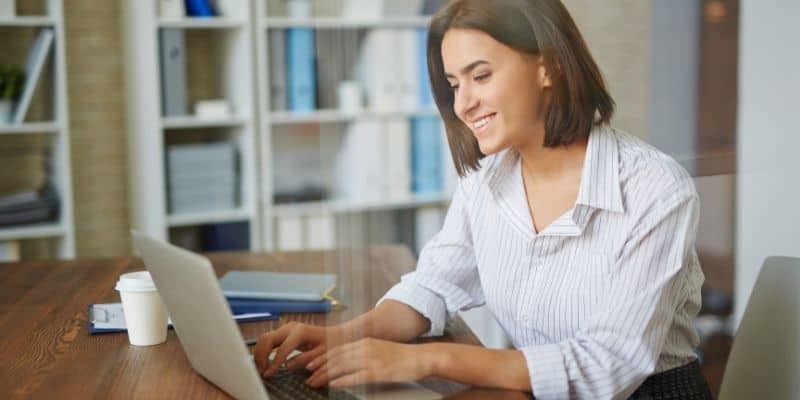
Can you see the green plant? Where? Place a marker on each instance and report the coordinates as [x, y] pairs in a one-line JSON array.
[[11, 80]]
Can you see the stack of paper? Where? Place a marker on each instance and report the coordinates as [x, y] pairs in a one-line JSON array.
[[202, 177]]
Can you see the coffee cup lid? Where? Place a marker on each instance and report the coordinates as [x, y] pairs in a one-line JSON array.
[[139, 281]]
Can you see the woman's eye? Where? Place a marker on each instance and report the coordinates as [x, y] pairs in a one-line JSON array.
[[454, 87], [482, 77]]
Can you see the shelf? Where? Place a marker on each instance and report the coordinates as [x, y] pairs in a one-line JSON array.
[[202, 23], [339, 206], [208, 217], [32, 231], [30, 127], [190, 122], [328, 116], [27, 21], [334, 22]]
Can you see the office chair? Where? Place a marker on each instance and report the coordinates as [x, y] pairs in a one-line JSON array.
[[765, 359]]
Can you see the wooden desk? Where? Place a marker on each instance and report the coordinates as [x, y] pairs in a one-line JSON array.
[[46, 351]]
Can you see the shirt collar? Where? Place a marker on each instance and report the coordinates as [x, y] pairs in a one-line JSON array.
[[600, 181], [599, 187]]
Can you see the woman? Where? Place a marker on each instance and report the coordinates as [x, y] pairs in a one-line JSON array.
[[578, 238]]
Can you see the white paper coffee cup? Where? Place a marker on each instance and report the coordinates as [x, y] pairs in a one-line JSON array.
[[145, 314]]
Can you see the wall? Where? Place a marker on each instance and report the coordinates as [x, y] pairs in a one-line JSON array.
[[768, 184], [99, 163]]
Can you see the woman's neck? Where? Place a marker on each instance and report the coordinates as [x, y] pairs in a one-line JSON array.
[[553, 163]]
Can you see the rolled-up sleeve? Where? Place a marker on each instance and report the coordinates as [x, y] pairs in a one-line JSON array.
[[446, 278], [619, 347]]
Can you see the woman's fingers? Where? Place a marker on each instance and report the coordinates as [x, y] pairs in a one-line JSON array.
[[291, 343], [343, 362], [303, 359], [267, 342], [357, 378]]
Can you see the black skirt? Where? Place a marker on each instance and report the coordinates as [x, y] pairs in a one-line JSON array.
[[686, 382]]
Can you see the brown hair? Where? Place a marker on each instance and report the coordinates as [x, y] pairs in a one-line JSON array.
[[537, 27]]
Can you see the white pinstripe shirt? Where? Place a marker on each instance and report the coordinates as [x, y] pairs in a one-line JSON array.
[[600, 299]]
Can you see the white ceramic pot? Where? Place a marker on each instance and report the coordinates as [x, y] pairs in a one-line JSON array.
[[5, 111]]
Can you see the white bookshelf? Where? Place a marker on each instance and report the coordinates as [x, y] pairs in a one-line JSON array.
[[341, 207], [332, 116], [31, 128], [324, 120], [149, 131], [349, 23], [62, 231], [33, 21]]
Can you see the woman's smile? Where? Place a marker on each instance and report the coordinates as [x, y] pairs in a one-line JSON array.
[[481, 125]]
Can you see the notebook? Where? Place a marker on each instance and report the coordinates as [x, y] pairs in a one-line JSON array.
[[277, 285]]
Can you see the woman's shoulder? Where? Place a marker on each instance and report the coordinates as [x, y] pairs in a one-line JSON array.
[[645, 169]]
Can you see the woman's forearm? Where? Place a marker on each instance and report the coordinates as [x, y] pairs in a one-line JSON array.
[[390, 320], [479, 366]]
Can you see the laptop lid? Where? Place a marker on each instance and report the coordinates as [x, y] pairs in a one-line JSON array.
[[201, 317]]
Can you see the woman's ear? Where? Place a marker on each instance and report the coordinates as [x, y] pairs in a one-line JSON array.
[[544, 75]]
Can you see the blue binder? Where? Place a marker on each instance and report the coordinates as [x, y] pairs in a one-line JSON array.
[[301, 69], [425, 92], [426, 153]]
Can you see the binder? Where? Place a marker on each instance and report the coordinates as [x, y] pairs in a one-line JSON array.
[[425, 92], [173, 72], [33, 70], [426, 155], [277, 64], [300, 68]]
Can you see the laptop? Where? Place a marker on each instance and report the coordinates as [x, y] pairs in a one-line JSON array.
[[212, 341]]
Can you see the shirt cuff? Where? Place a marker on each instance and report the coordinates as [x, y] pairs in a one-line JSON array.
[[547, 371], [423, 301]]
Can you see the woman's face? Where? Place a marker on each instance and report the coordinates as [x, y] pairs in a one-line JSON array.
[[499, 93]]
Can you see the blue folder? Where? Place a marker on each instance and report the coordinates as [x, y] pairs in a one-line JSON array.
[[247, 306]]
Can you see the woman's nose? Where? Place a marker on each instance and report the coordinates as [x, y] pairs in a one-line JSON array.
[[465, 102]]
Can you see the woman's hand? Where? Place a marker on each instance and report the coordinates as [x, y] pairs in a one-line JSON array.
[[370, 360], [311, 340]]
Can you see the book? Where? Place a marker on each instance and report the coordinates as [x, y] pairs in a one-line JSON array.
[[173, 72], [407, 71], [397, 157], [277, 72], [321, 232], [300, 69], [199, 8], [171, 9], [425, 92], [37, 57], [359, 170], [377, 70], [226, 237], [249, 306], [263, 285], [426, 152], [289, 233]]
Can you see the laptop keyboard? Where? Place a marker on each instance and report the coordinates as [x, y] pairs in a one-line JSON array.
[[290, 385]]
